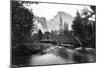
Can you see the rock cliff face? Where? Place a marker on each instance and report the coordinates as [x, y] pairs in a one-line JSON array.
[[55, 23], [41, 24], [61, 17]]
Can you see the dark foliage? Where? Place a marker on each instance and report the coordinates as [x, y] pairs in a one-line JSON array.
[[83, 28], [22, 20], [40, 35], [93, 8]]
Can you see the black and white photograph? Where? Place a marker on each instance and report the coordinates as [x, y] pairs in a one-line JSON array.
[[51, 33]]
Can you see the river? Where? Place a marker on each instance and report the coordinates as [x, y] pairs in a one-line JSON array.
[[54, 55], [45, 59]]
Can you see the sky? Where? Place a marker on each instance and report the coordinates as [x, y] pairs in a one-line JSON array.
[[48, 11]]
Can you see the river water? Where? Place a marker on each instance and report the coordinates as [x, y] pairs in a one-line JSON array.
[[54, 55], [48, 59], [45, 59]]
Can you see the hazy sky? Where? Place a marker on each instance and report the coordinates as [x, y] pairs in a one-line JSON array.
[[50, 10]]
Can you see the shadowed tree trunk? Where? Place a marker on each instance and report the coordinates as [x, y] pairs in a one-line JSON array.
[[83, 48]]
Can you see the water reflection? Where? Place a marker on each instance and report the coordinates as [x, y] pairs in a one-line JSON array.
[[48, 59], [55, 56], [20, 60], [40, 60]]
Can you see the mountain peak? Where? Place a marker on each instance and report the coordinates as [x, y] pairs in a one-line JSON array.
[[64, 13], [53, 24]]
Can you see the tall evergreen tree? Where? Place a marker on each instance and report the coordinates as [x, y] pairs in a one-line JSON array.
[[22, 20], [40, 34], [82, 28]]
